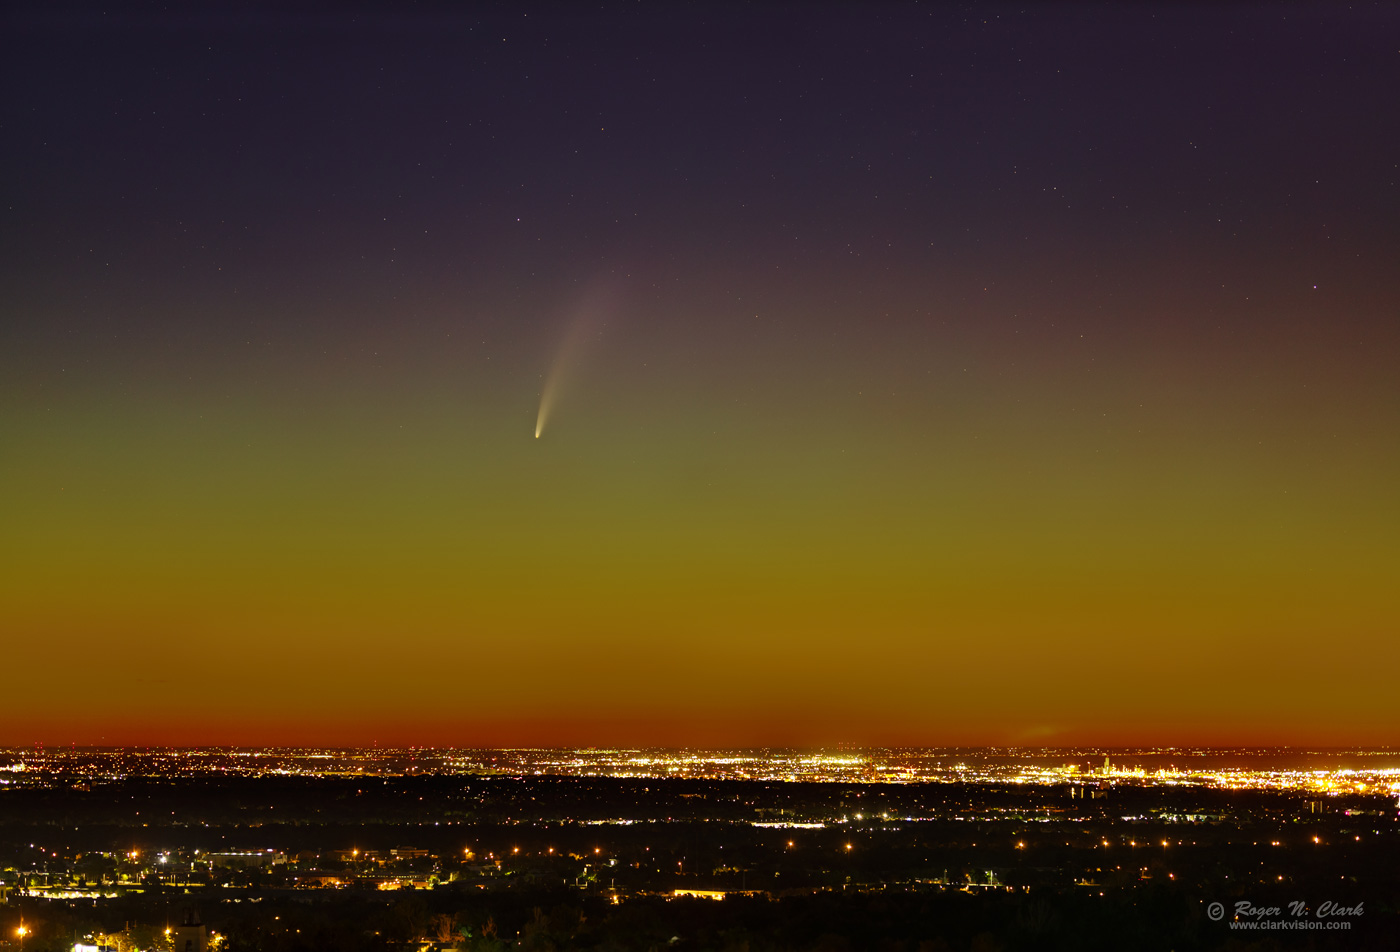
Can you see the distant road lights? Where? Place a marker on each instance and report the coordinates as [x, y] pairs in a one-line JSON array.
[[849, 847]]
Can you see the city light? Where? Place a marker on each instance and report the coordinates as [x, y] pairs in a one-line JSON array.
[[883, 796], [1078, 771]]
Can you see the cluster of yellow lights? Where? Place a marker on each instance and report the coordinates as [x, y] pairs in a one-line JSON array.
[[1018, 766]]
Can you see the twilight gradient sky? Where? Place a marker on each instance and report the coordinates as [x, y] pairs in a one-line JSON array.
[[920, 376]]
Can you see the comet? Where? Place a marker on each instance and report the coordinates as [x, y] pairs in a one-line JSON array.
[[581, 332]]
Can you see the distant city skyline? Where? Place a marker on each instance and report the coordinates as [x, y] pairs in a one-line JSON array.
[[1329, 773]]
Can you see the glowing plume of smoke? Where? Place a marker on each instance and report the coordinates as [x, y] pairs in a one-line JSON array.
[[581, 332]]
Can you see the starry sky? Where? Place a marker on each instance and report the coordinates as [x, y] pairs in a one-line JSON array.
[[912, 374]]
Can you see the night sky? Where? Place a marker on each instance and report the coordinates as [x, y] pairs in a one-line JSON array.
[[913, 374]]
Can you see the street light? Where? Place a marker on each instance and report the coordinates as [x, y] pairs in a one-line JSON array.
[[23, 931]]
